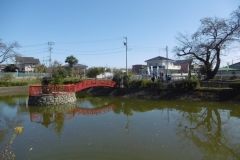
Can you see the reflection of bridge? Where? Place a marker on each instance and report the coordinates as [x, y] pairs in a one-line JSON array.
[[38, 89], [50, 117], [94, 111]]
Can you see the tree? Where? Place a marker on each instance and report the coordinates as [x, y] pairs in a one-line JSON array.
[[11, 68], [6, 51], [71, 60], [40, 68], [94, 71], [117, 77], [213, 36]]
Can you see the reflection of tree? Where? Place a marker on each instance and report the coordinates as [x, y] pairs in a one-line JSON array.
[[205, 129], [7, 124], [53, 116]]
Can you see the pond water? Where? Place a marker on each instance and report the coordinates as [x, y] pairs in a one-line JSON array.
[[116, 128]]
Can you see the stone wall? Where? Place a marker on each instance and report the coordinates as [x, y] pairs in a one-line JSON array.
[[52, 99]]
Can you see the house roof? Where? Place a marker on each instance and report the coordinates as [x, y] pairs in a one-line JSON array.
[[235, 64], [158, 58], [27, 59], [139, 65], [183, 61], [229, 69]]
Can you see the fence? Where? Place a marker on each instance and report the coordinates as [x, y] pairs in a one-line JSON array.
[[39, 89], [24, 75], [215, 84]]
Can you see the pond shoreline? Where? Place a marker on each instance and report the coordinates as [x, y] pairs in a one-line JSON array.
[[226, 95]]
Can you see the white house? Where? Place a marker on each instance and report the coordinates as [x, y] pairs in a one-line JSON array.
[[159, 64]]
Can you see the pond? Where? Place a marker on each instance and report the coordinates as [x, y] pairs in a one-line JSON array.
[[116, 128]]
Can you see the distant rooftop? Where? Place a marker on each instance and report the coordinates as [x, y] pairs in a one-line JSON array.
[[158, 58]]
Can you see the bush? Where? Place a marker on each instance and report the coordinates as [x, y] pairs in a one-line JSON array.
[[7, 77], [8, 84], [146, 84], [188, 84], [71, 81], [235, 85], [135, 84]]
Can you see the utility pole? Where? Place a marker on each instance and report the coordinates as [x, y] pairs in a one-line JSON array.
[[50, 50], [125, 44], [167, 64]]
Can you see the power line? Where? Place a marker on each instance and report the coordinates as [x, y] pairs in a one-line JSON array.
[[34, 45], [93, 41], [87, 51], [90, 53], [35, 50]]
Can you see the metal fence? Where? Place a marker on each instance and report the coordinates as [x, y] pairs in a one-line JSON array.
[[26, 75]]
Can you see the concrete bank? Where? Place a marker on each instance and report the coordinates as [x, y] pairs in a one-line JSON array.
[[227, 95], [18, 90]]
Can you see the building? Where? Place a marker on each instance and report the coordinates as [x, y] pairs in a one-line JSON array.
[[2, 67], [160, 64], [26, 64], [185, 65], [137, 68]]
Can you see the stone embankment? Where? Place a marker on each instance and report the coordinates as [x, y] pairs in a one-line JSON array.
[[52, 99], [226, 95]]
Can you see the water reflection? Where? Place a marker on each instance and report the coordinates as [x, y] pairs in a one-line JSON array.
[[210, 132], [213, 128]]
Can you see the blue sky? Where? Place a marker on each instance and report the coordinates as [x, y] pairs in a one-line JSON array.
[[93, 30]]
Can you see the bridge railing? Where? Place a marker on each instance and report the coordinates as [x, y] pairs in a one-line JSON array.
[[39, 89]]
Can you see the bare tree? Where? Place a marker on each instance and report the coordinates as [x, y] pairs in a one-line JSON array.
[[213, 36], [7, 51]]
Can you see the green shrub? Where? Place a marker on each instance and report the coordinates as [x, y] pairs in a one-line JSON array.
[[146, 84], [7, 77], [71, 81], [235, 85], [188, 84], [8, 84], [135, 84]]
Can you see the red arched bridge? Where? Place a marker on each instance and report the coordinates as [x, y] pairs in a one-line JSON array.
[[39, 89]]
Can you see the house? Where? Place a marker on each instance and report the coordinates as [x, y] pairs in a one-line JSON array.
[[26, 64], [185, 65], [228, 71], [137, 68], [2, 67], [160, 64]]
